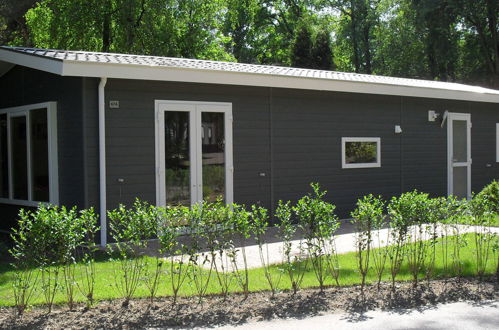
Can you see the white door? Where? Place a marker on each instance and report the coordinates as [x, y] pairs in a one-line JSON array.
[[193, 152], [459, 154]]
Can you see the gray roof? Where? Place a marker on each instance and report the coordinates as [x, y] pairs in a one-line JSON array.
[[250, 69]]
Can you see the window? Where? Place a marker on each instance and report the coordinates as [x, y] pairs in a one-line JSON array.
[[360, 152], [28, 154]]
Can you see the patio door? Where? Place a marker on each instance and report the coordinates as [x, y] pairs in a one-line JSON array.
[[459, 154], [193, 152]]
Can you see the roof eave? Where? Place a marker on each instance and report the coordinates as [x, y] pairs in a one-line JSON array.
[[142, 72], [35, 62]]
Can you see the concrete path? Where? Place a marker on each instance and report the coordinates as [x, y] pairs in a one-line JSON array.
[[344, 241], [456, 316]]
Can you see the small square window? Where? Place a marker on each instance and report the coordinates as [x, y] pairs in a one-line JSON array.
[[360, 152]]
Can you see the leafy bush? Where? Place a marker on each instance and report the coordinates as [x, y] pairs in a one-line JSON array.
[[47, 239], [259, 219], [171, 220], [240, 221], [317, 220], [294, 266], [481, 210], [130, 228], [90, 228], [368, 217]]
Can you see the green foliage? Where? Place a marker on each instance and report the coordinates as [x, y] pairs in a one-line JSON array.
[[294, 266], [172, 219], [259, 220], [454, 40], [52, 241], [130, 228], [368, 217], [48, 238], [318, 222], [482, 209]]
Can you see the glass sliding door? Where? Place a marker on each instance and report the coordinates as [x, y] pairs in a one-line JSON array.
[[193, 152], [177, 158]]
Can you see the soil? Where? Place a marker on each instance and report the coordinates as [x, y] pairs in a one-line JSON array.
[[236, 309]]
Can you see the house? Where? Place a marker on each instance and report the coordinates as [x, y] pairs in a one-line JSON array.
[[97, 129]]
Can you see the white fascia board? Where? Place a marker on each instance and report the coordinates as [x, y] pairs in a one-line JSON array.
[[32, 61], [141, 72]]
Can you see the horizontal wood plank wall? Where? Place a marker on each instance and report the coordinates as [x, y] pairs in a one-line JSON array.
[[21, 86], [307, 148], [306, 132], [130, 137]]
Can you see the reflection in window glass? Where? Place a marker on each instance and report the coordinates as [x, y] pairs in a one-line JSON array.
[[4, 158], [213, 146], [177, 162], [39, 155], [19, 157], [360, 152]]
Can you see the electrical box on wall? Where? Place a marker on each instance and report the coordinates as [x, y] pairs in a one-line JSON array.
[[114, 104], [432, 115]]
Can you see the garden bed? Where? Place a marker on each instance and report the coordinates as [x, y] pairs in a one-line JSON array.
[[258, 306]]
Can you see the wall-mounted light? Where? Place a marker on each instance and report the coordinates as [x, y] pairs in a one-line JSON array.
[[432, 115], [398, 129]]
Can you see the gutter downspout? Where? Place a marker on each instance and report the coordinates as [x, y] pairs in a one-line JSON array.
[[102, 162]]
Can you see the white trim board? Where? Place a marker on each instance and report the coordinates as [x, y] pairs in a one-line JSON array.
[[497, 142], [194, 109], [131, 71], [24, 111]]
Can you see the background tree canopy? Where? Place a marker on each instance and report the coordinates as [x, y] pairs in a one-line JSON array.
[[448, 40]]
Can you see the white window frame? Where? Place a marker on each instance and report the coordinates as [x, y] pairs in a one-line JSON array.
[[25, 110], [497, 142], [344, 140], [194, 109]]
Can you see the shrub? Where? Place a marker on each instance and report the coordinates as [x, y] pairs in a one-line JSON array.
[[417, 216], [481, 211], [242, 228], [202, 246], [294, 266], [88, 250], [130, 228], [171, 220], [317, 220], [368, 217], [400, 210], [47, 238], [259, 220]]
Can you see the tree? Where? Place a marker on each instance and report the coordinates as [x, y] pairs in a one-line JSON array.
[[358, 18], [12, 20], [436, 22], [321, 53], [481, 26], [301, 51]]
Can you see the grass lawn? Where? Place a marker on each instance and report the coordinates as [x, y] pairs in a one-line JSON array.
[[105, 278]]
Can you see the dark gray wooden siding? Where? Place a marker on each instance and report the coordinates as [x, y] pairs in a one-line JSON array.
[[294, 137], [130, 138], [23, 86]]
